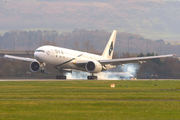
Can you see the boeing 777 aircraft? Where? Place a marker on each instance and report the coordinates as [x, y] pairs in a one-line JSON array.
[[66, 60]]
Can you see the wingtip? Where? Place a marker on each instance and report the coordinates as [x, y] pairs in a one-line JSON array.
[[174, 55]]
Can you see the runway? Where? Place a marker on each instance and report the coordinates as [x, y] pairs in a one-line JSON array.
[[39, 79], [85, 80]]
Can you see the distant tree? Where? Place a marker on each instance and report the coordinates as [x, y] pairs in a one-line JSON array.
[[77, 46], [52, 42], [87, 45], [126, 55], [150, 54], [141, 55]]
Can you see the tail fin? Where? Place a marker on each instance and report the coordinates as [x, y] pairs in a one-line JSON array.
[[108, 51]]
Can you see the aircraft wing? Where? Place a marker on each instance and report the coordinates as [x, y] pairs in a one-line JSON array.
[[131, 60], [20, 58], [121, 61]]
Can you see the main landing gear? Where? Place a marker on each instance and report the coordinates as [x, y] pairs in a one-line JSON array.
[[92, 77], [62, 75]]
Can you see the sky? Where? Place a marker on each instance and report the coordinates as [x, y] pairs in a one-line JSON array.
[[154, 19]]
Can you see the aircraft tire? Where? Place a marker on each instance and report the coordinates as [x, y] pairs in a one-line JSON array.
[[60, 77], [92, 77]]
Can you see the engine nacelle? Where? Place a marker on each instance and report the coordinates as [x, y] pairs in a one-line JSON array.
[[93, 66], [37, 67]]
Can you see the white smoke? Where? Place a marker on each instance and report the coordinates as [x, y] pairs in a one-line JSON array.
[[131, 68], [83, 75], [107, 76], [77, 75], [126, 70]]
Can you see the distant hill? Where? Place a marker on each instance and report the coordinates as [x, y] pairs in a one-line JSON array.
[[154, 19]]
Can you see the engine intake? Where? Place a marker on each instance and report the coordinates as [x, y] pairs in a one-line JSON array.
[[37, 67], [93, 67]]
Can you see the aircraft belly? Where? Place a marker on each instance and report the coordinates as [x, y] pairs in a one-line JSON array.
[[73, 66], [54, 61]]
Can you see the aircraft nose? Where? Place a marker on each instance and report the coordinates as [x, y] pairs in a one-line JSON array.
[[35, 55], [38, 56]]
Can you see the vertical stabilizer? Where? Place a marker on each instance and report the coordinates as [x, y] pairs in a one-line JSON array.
[[108, 51]]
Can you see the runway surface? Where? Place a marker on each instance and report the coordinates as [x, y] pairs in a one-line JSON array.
[[81, 79], [38, 79]]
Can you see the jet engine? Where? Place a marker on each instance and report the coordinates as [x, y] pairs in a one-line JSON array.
[[93, 66], [37, 67]]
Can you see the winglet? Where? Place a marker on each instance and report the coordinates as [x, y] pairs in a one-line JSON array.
[[108, 51]]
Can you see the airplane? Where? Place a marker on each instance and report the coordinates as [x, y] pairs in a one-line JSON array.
[[65, 60]]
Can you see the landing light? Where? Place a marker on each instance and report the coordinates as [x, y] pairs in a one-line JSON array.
[[74, 61]]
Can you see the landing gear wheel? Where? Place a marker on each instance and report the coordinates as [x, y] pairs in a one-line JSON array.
[[92, 77], [60, 77]]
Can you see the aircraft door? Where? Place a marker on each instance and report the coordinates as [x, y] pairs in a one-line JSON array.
[[52, 53]]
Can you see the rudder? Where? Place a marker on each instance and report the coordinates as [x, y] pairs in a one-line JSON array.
[[108, 51]]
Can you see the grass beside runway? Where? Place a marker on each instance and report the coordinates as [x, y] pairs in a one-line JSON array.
[[90, 100]]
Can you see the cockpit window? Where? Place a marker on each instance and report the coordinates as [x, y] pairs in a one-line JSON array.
[[40, 51]]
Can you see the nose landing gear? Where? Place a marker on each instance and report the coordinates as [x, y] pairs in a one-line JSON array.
[[60, 77]]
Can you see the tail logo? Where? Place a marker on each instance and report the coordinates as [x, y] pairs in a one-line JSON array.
[[111, 48]]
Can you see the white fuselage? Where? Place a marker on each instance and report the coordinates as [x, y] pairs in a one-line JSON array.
[[64, 58]]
